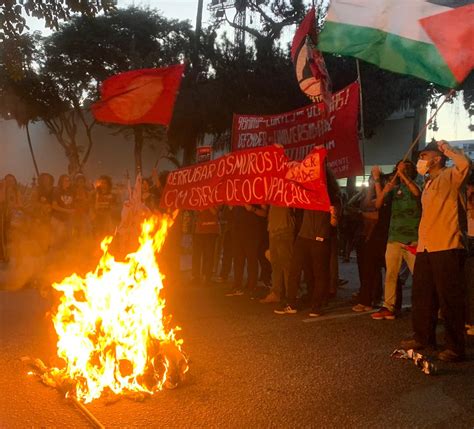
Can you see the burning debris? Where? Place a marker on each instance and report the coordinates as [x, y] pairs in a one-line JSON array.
[[113, 335], [420, 361]]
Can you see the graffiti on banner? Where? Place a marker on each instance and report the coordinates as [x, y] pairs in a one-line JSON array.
[[254, 176], [300, 130]]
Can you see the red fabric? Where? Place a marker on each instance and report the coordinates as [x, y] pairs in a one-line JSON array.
[[310, 67], [453, 34], [143, 96], [302, 129], [257, 176], [302, 31]]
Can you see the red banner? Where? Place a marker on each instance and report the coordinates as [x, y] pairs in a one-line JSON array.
[[256, 176], [301, 130]]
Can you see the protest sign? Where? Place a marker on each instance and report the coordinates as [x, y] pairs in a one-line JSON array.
[[203, 153], [300, 130], [255, 176]]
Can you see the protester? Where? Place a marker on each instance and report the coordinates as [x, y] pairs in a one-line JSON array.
[[206, 231], [40, 209], [281, 229], [371, 244], [245, 229], [63, 211], [470, 259], [404, 194], [334, 280], [263, 246], [82, 203], [105, 208], [349, 222], [438, 274], [148, 196], [10, 204], [314, 242], [225, 222]]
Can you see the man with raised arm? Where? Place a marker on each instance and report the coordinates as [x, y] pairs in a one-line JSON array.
[[438, 274]]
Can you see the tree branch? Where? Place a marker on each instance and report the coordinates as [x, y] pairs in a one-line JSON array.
[[249, 30]]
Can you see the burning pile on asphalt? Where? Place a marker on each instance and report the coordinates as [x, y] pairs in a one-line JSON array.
[[113, 335]]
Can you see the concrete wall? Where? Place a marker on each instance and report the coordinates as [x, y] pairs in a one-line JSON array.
[[111, 155]]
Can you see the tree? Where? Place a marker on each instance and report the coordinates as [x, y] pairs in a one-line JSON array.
[[85, 51], [52, 12], [274, 16]]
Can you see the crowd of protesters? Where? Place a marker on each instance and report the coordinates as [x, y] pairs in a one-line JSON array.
[[417, 219]]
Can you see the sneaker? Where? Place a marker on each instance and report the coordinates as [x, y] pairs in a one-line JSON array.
[[287, 309], [315, 312], [359, 308], [271, 298], [450, 356], [384, 313]]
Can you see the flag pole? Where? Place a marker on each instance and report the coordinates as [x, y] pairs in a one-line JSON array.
[[415, 142], [361, 107]]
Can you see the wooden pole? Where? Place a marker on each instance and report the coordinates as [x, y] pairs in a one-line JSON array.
[[422, 131], [88, 414], [417, 138]]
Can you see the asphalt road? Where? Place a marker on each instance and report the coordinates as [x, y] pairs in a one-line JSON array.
[[250, 368]]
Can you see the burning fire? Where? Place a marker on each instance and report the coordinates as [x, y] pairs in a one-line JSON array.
[[112, 333]]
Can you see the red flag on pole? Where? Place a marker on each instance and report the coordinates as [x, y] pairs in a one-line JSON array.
[[309, 63], [143, 96]]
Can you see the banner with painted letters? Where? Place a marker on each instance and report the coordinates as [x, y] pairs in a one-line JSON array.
[[254, 176], [300, 130]]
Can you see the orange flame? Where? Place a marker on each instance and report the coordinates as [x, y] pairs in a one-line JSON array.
[[110, 324]]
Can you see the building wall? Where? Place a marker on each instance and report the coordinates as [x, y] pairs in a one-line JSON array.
[[111, 155], [390, 142]]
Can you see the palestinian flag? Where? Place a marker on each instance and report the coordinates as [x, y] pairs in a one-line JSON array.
[[432, 40]]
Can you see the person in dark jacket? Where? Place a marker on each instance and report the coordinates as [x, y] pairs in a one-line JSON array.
[[314, 241]]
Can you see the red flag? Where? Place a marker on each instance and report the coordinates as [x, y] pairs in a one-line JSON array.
[[309, 63], [453, 34], [143, 96]]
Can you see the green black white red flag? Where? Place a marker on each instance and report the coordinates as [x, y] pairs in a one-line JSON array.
[[422, 38]]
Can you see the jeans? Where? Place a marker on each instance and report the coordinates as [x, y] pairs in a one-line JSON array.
[[394, 255], [438, 283], [281, 250]]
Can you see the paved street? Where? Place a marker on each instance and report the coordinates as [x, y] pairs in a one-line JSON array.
[[251, 368]]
